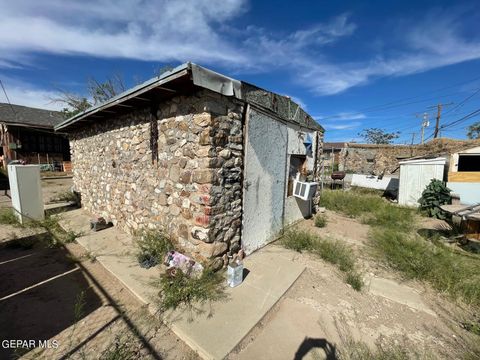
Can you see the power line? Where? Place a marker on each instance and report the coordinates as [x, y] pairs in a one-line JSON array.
[[386, 105], [466, 117], [461, 103], [8, 100]]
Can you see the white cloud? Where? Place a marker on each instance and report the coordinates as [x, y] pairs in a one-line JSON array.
[[343, 126], [29, 95], [144, 30], [342, 116], [201, 31], [429, 43]]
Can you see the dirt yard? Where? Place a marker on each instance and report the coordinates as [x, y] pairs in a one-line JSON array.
[[51, 188], [64, 296], [321, 314]]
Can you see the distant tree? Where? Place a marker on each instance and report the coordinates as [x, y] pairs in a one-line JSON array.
[[378, 136], [103, 91], [474, 131], [98, 92]]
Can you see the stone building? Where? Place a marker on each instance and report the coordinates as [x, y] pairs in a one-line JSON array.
[[207, 158], [379, 159]]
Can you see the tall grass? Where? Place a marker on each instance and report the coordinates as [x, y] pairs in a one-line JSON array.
[[355, 350], [334, 252], [447, 271], [370, 209], [395, 241]]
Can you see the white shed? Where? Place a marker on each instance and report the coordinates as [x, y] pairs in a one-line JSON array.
[[415, 175]]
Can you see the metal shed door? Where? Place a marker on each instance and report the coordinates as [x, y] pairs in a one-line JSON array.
[[264, 180]]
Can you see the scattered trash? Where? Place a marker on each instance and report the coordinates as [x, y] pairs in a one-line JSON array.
[[175, 260], [235, 273], [99, 223]]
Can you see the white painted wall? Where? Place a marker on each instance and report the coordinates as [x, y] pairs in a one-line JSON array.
[[415, 175], [469, 192], [454, 157], [373, 182]]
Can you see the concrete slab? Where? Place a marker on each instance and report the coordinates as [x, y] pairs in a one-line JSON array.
[[399, 293], [115, 250], [295, 331], [272, 271]]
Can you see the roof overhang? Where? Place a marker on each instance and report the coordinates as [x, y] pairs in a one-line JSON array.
[[183, 80]]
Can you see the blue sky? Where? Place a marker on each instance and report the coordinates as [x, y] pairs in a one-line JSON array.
[[351, 64]]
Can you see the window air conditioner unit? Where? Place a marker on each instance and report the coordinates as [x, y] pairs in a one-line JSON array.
[[304, 190]]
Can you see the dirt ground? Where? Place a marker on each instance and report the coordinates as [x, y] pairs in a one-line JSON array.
[[50, 189], [321, 314], [64, 296]]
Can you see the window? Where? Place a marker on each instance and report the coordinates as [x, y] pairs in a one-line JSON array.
[[298, 164], [469, 162]]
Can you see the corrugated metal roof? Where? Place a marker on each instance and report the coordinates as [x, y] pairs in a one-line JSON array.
[[173, 81]]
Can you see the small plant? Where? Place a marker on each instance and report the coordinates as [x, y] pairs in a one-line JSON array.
[[8, 217], [152, 245], [71, 236], [355, 280], [298, 240], [473, 327], [122, 348], [178, 289], [320, 221], [335, 253], [435, 195]]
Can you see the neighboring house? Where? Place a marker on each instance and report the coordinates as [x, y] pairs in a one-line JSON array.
[[464, 175], [209, 159], [331, 153], [27, 134], [384, 159]]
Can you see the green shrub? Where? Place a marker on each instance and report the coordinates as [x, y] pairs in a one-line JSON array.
[[434, 195], [181, 290], [152, 247], [320, 221]]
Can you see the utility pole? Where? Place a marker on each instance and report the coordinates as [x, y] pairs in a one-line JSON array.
[[425, 123], [439, 115], [413, 137]]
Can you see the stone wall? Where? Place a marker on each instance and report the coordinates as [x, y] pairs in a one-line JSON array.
[[378, 159], [178, 170]]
